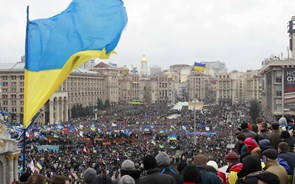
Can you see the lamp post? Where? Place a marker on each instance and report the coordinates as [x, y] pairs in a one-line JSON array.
[[195, 133], [95, 114]]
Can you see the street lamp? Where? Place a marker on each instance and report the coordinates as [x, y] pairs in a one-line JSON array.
[[95, 114]]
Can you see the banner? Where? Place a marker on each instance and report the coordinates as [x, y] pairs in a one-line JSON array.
[[289, 88]]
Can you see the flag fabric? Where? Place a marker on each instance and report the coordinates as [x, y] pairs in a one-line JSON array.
[[92, 127], [57, 45], [39, 165], [199, 67]]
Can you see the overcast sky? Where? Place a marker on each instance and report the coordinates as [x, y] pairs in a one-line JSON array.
[[240, 33]]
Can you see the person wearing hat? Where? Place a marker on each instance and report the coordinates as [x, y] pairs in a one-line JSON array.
[[89, 176], [273, 166], [274, 136], [153, 173], [234, 166], [128, 168], [126, 179], [252, 172], [163, 161], [252, 146], [214, 166]]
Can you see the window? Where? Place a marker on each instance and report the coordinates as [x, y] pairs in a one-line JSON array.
[[278, 76], [278, 90]]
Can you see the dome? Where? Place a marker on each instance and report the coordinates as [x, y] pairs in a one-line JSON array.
[[143, 60], [124, 70]]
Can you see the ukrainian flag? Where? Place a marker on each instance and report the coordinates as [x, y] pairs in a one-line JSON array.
[[57, 45], [199, 67]]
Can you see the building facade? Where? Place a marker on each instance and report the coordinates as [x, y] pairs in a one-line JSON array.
[[238, 87], [198, 86], [278, 88], [81, 87]]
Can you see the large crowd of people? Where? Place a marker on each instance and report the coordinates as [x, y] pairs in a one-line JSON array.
[[155, 144]]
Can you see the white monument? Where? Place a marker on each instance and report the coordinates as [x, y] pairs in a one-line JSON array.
[[9, 153]]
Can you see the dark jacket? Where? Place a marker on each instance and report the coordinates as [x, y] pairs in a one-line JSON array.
[[155, 177], [208, 177], [135, 174], [254, 178], [275, 138], [170, 171], [289, 157], [250, 133]]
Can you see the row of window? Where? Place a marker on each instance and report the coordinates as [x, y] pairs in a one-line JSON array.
[[12, 77]]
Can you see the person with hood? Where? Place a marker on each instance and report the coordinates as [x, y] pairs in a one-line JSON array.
[[252, 146], [234, 166], [252, 173]]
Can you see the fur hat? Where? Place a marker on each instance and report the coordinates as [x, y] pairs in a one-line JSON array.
[[89, 175], [126, 179], [127, 165], [163, 159], [232, 156]]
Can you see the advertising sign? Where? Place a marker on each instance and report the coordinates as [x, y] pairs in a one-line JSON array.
[[289, 88]]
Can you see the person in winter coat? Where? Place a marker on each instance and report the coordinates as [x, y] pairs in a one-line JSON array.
[[153, 173], [163, 161], [273, 166], [221, 175], [274, 136], [287, 156], [252, 173], [200, 161], [234, 166]]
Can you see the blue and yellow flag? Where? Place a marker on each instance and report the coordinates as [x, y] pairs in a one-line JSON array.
[[57, 45], [199, 67]]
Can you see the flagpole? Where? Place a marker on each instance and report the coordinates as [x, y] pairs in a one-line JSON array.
[[24, 139]]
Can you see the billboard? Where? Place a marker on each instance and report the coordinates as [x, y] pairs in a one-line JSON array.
[[289, 88]]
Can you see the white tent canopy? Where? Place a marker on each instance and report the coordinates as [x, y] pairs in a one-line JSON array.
[[179, 105]]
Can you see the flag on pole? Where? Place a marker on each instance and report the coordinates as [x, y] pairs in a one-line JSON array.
[[57, 45], [199, 67]]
